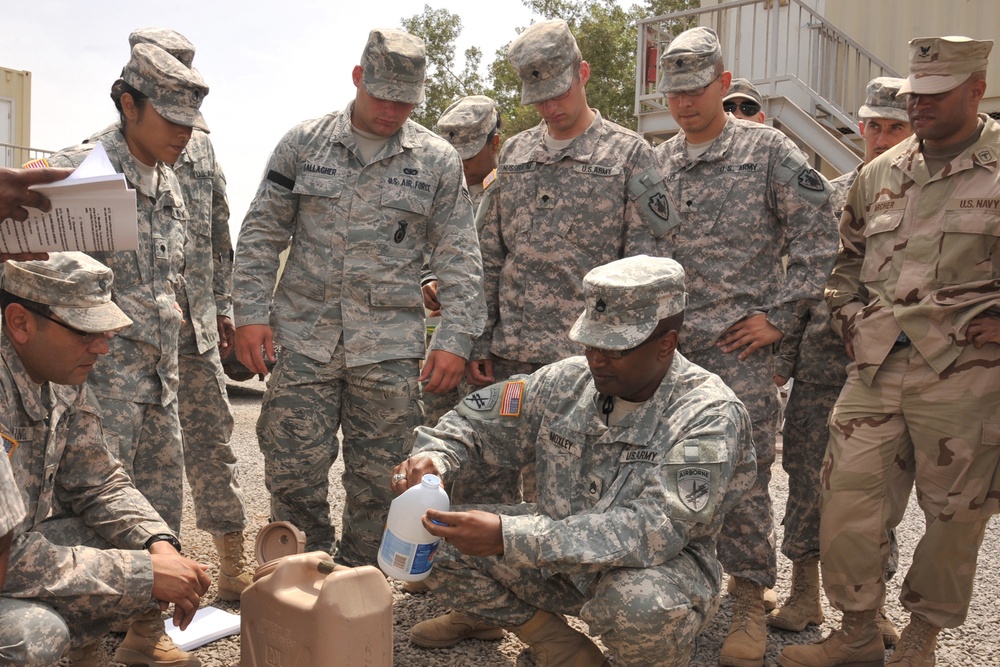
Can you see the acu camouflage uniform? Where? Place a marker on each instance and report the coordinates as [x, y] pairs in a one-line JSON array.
[[749, 199], [348, 312], [617, 536], [78, 562], [136, 382], [918, 262]]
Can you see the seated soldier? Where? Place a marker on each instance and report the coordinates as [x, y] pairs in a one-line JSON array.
[[639, 454], [90, 551]]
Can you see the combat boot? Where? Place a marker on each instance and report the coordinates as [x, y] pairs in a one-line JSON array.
[[890, 635], [746, 642], [233, 574], [450, 629], [769, 597], [554, 643], [416, 587], [802, 608], [916, 645], [147, 644], [86, 656], [858, 643]]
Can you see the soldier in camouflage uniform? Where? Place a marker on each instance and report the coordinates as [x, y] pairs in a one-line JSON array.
[[816, 359], [914, 294], [78, 561], [639, 454], [472, 125], [744, 101], [744, 195], [11, 507], [362, 197], [207, 334]]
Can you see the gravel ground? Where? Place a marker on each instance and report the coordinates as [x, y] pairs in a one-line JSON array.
[[976, 644]]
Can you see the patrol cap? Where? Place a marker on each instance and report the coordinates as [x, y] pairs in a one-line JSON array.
[[689, 61], [939, 64], [394, 65], [544, 56], [467, 122], [175, 91], [169, 40], [75, 286], [883, 100], [626, 299], [743, 88]]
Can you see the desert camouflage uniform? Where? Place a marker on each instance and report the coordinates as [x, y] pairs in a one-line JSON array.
[[65, 582], [348, 312], [136, 382], [551, 218], [11, 506], [742, 204], [918, 262], [615, 538]]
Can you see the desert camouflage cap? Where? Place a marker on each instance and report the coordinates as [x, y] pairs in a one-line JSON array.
[[169, 40], [883, 99], [394, 65], [75, 286], [689, 61], [467, 122], [939, 64], [743, 88], [544, 56], [626, 299], [175, 91]]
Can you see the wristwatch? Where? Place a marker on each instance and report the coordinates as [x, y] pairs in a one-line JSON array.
[[163, 537]]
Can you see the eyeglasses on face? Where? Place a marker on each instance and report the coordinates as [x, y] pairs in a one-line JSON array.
[[693, 92], [618, 354], [748, 108], [86, 337]]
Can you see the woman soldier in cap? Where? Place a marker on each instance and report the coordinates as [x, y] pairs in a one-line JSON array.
[[158, 99]]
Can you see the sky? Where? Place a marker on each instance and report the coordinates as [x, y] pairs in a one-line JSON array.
[[269, 65]]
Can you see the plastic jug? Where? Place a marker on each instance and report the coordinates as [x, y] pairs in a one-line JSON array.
[[407, 550], [307, 612]]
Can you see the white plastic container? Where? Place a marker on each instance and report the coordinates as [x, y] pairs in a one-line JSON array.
[[407, 550]]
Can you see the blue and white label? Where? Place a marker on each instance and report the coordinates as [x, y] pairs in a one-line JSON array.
[[409, 557]]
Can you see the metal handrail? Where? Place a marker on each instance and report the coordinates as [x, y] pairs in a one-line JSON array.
[[13, 155], [832, 67]]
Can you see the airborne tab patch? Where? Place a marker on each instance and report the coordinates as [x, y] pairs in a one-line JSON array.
[[693, 487]]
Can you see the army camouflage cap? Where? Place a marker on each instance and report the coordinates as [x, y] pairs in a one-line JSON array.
[[883, 100], [169, 40], [743, 88], [75, 286], [939, 64], [626, 299], [689, 61], [544, 56], [175, 91], [467, 122], [394, 65]]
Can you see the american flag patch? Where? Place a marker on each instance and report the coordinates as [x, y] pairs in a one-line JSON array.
[[39, 163], [510, 406], [8, 443]]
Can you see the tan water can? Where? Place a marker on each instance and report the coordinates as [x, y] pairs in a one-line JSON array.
[[304, 611]]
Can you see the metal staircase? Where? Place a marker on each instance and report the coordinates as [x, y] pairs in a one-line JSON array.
[[812, 75]]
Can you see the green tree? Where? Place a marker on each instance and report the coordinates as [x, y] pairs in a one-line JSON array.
[[446, 80]]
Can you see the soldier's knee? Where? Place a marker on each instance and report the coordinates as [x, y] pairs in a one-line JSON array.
[[31, 634]]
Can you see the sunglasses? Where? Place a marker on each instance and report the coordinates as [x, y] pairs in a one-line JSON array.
[[746, 108], [86, 337]]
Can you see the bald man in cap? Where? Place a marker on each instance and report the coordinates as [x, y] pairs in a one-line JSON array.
[[914, 293], [745, 196], [639, 454], [815, 357]]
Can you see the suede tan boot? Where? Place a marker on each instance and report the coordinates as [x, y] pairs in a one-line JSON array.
[[858, 643], [554, 643], [147, 644], [450, 629], [802, 608], [86, 656], [916, 645], [746, 642], [769, 597], [890, 635], [416, 587], [233, 574]]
